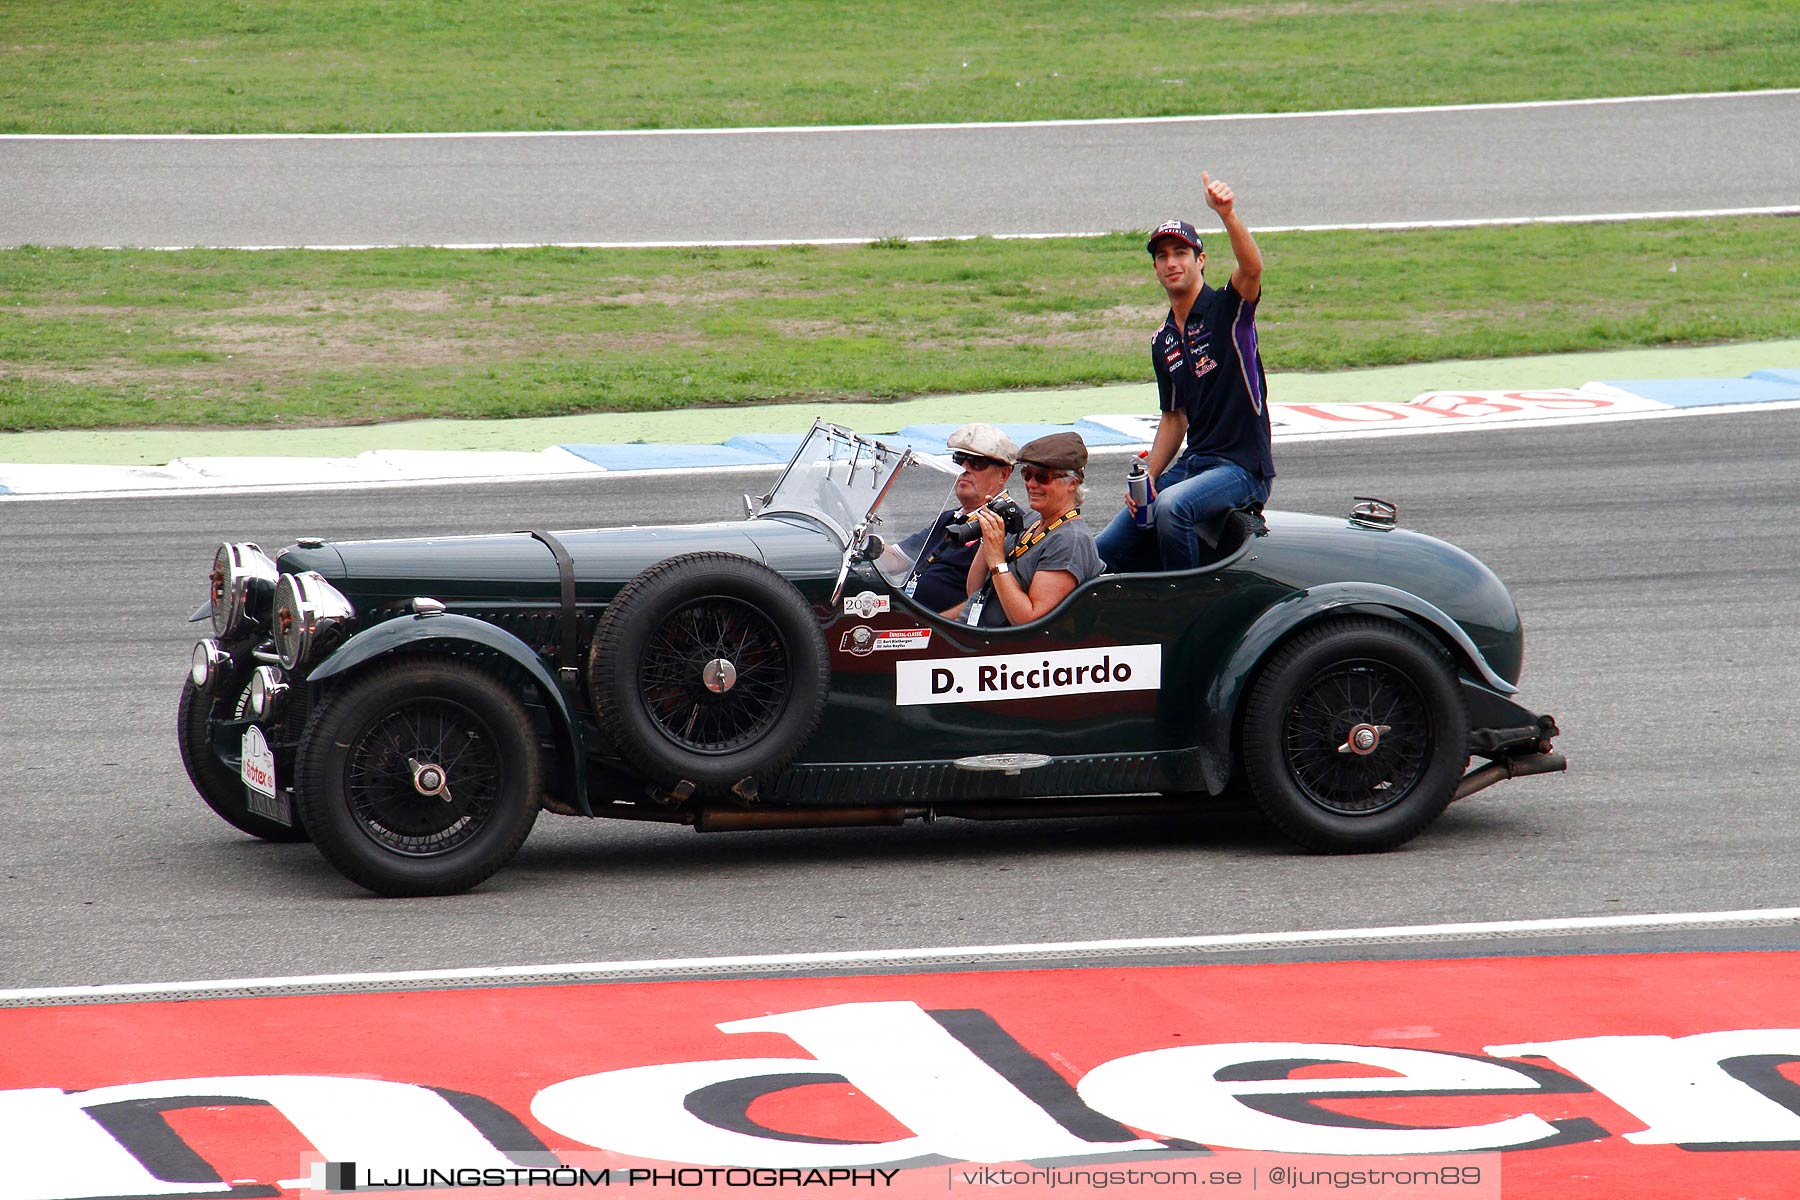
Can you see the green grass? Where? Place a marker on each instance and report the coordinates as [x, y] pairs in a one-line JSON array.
[[153, 66], [98, 339]]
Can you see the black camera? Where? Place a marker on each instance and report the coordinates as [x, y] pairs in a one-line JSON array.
[[1002, 506]]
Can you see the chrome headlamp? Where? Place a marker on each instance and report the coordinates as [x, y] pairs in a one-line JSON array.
[[307, 609], [206, 661], [266, 689], [242, 579]]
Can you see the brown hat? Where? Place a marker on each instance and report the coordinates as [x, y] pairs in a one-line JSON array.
[[1058, 451]]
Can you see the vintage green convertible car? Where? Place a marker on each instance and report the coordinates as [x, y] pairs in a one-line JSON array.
[[410, 705]]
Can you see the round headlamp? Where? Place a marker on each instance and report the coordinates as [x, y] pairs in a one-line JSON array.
[[307, 610], [207, 658], [242, 579], [266, 687]]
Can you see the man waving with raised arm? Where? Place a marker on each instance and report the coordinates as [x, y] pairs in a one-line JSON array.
[[1212, 449]]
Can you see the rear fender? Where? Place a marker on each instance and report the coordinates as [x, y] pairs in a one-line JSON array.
[[443, 631], [1285, 617]]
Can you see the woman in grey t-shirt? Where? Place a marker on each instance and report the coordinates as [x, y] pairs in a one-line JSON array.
[[1017, 579]]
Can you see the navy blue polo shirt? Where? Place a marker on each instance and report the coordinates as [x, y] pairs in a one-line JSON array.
[[1212, 370], [943, 581]]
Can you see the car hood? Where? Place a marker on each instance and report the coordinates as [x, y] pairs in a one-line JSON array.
[[506, 565]]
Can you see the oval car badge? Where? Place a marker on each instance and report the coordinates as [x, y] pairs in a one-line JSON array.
[[1012, 764]]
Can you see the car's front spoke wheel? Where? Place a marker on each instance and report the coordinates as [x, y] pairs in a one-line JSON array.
[[218, 784], [424, 779]]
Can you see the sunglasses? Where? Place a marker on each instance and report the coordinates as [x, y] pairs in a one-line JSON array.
[[974, 462], [1041, 475]]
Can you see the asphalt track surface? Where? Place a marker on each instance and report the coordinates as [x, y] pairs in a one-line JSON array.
[[1654, 562], [1483, 163]]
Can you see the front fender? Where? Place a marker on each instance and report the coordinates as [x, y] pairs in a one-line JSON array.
[[421, 630], [1304, 608]]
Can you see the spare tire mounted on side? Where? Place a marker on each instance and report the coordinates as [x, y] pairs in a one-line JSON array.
[[708, 668]]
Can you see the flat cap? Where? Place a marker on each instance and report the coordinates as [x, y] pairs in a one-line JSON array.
[[978, 437], [1057, 451]]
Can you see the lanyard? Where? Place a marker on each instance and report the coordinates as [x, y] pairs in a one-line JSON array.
[[980, 599], [1039, 534], [912, 581], [932, 557]]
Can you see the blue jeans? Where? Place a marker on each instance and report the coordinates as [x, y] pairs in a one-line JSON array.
[[1189, 495]]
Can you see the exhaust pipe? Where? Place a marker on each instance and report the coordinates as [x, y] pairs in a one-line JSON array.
[[1143, 807], [1510, 768], [733, 820]]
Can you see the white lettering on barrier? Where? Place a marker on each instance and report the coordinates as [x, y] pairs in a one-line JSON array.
[[890, 1051], [1720, 1090], [367, 1121], [1029, 676], [1440, 409], [1181, 1092], [1679, 1087], [1462, 408], [51, 1149]]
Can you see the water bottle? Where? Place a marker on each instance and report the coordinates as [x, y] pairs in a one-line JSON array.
[[1143, 496]]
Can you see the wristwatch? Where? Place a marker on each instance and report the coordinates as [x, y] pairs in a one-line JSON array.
[[1003, 569]]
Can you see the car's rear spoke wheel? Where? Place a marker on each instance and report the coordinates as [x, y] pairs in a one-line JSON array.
[[1354, 735]]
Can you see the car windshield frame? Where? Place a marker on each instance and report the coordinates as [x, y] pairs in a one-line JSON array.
[[838, 478]]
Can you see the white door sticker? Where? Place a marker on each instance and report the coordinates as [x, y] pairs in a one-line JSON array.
[[865, 605], [1029, 676], [863, 640]]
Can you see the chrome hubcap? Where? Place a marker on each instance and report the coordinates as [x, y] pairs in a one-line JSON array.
[[429, 779], [719, 675], [1363, 739]]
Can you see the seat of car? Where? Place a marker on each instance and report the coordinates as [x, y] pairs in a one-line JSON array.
[[1221, 537]]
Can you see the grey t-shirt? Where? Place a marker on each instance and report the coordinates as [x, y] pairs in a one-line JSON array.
[[1069, 547]]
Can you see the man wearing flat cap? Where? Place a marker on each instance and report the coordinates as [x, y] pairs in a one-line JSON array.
[[1212, 450], [940, 576], [1017, 578]]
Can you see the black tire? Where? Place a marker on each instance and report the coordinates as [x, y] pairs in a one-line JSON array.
[[646, 664], [360, 772], [1308, 703], [217, 784]]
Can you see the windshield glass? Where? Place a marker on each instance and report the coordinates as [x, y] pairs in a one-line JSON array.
[[844, 480], [908, 512]]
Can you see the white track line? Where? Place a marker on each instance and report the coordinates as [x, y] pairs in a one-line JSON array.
[[734, 131], [1772, 210], [953, 954], [351, 485]]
